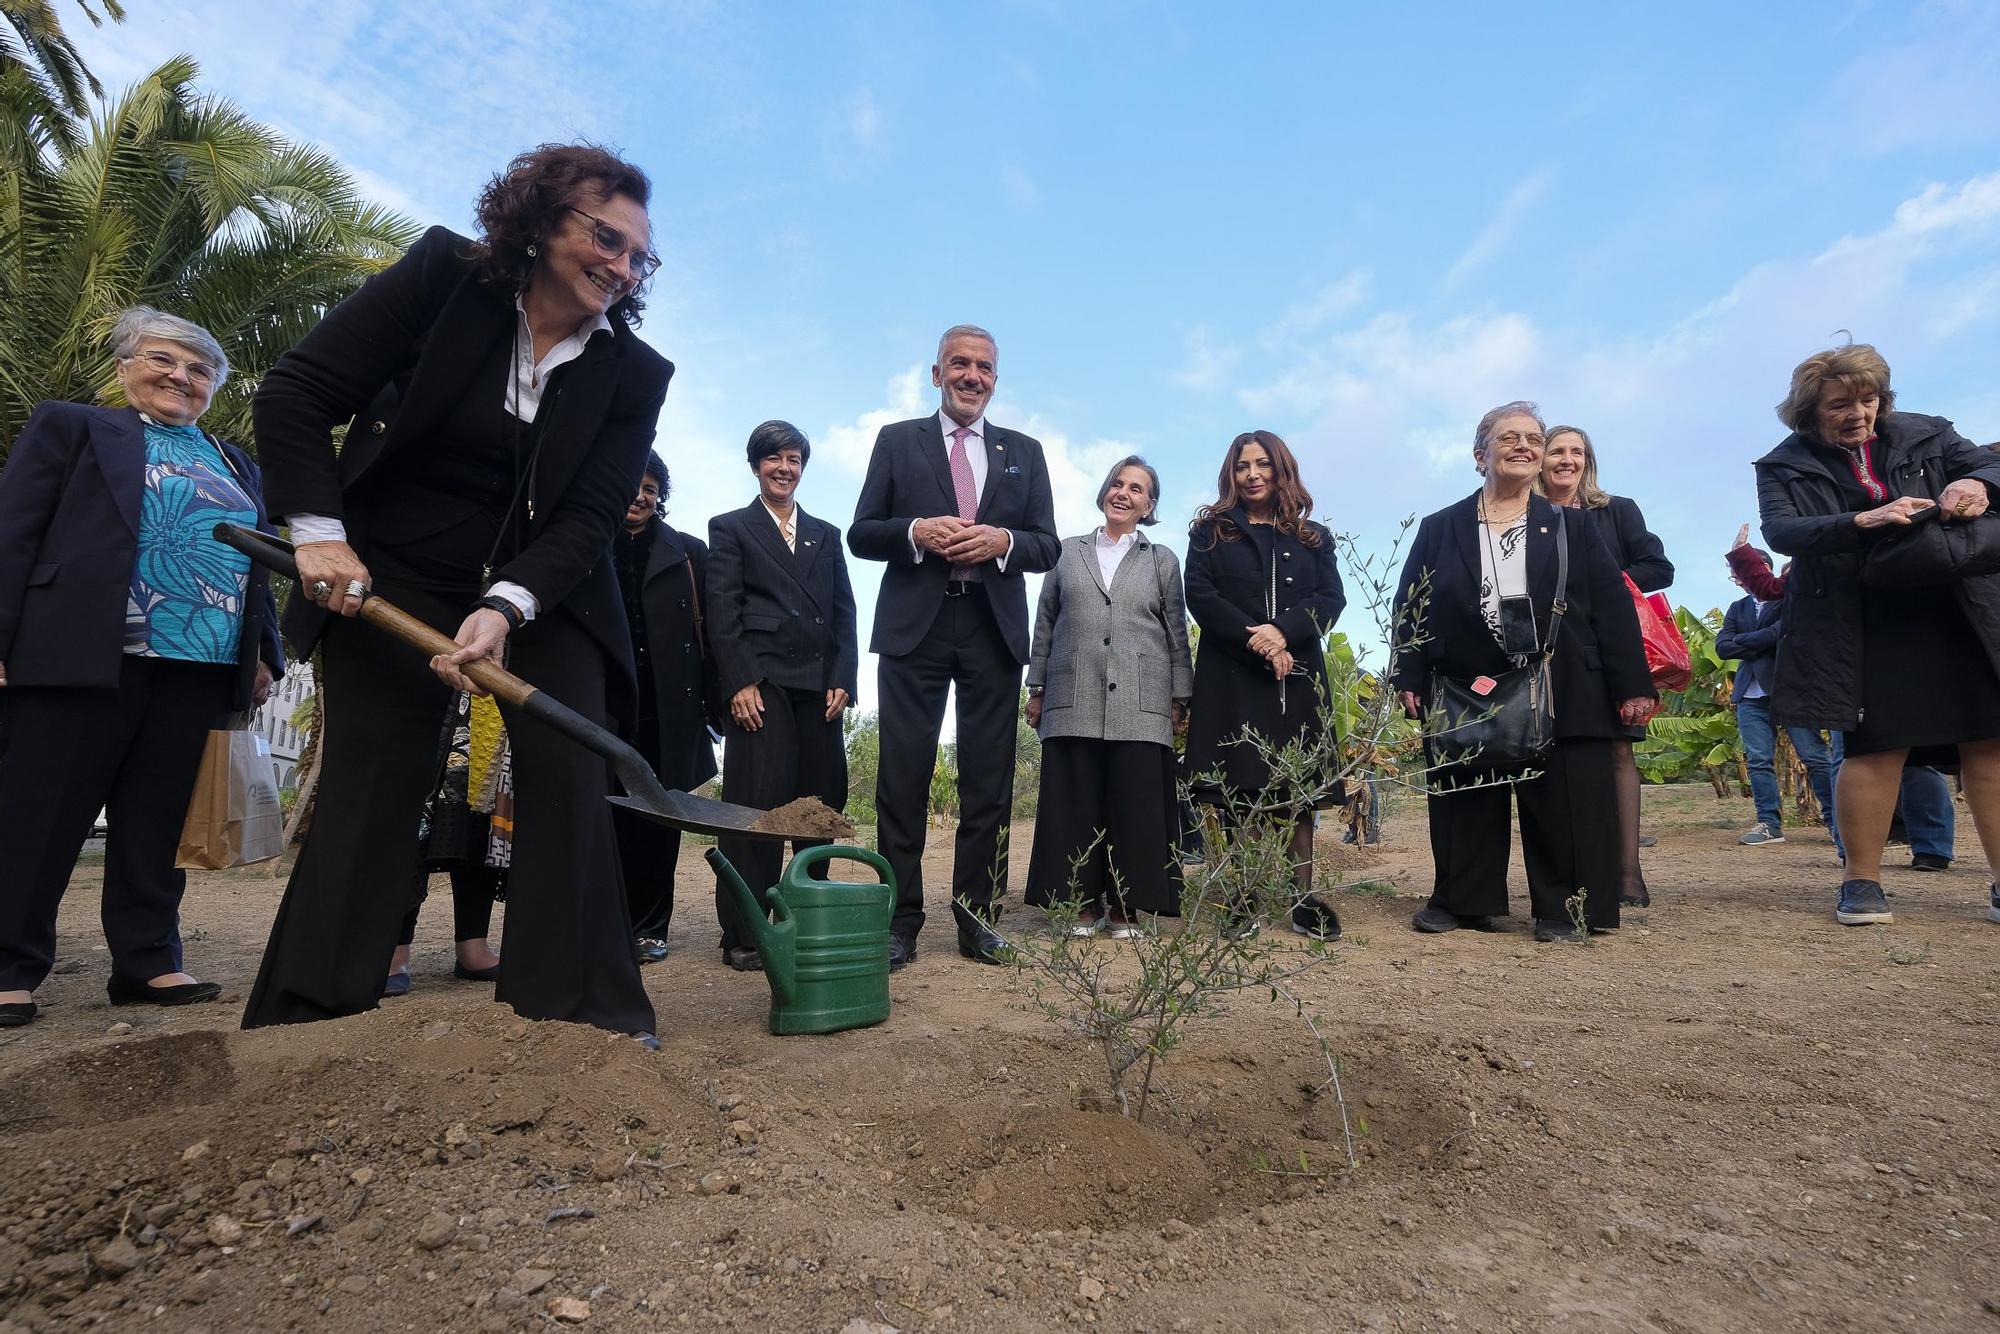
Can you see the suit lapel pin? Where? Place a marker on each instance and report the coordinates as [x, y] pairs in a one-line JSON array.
[[1545, 530], [808, 541]]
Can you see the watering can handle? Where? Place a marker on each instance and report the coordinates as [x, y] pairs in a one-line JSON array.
[[806, 861]]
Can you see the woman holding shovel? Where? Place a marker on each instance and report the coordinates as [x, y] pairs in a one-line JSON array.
[[501, 410]]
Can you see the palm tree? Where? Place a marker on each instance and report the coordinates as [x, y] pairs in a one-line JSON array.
[[42, 78], [180, 201]]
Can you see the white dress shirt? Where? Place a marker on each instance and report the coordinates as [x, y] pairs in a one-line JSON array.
[[975, 454], [787, 528], [1111, 553], [523, 398]]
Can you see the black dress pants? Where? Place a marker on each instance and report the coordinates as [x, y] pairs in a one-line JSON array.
[[648, 852], [1106, 820], [963, 649], [1569, 839], [567, 940], [796, 753], [134, 753]]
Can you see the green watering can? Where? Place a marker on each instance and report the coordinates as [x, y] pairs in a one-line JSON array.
[[827, 954]]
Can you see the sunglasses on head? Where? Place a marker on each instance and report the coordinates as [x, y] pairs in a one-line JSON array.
[[611, 243]]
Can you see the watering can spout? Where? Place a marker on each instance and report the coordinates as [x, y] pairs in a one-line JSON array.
[[776, 941]]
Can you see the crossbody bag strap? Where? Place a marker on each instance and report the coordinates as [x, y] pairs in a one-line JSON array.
[[694, 592], [1561, 604]]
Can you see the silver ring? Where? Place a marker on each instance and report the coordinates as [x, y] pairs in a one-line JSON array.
[[355, 588], [321, 590]]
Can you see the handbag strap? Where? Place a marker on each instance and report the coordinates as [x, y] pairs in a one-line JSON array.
[[1561, 603], [694, 592]]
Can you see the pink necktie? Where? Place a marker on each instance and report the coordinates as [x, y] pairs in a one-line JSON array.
[[961, 477]]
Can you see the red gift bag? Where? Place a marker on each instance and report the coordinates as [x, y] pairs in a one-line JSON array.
[[1666, 652]]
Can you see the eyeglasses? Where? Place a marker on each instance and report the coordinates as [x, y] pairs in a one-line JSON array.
[[611, 243], [1513, 438], [198, 372]]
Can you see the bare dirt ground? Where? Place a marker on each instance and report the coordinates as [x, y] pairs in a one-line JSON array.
[[1731, 1115]]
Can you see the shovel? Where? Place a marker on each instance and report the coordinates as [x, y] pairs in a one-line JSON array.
[[644, 793]]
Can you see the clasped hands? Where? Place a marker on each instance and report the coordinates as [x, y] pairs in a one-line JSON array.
[[960, 542], [1268, 642]]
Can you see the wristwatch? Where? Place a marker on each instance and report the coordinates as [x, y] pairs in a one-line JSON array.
[[494, 602]]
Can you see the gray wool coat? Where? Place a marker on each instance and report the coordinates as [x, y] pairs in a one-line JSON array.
[[1110, 662]]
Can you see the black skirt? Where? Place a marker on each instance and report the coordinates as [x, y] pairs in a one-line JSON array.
[[1106, 806], [1926, 680]]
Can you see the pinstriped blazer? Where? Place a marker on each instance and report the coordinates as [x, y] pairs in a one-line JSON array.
[[1111, 661]]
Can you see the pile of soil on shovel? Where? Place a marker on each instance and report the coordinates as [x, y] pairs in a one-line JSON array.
[[808, 816]]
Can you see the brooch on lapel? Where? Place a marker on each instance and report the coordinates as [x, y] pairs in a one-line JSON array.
[[806, 541], [1013, 470]]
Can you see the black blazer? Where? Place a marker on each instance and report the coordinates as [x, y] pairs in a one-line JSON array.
[[678, 655], [909, 478], [1227, 583], [1751, 637], [1599, 660], [1633, 547], [778, 616], [69, 533], [394, 358]]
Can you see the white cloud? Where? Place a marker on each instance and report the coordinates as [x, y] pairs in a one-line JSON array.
[[1502, 226], [1321, 308], [1019, 189], [848, 445], [1209, 363]]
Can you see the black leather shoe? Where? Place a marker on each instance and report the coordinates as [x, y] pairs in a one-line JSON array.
[[1643, 899], [902, 949], [1434, 921], [743, 959], [649, 949], [123, 992], [15, 1014], [1548, 931], [1929, 861], [977, 940], [646, 1040], [463, 973]]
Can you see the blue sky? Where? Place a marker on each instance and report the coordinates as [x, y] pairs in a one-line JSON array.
[[1358, 226]]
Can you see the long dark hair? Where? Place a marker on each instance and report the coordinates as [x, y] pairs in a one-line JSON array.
[[523, 204], [1291, 507]]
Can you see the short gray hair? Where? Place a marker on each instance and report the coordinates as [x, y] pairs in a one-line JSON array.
[[1132, 461], [967, 331], [1520, 407], [138, 323]]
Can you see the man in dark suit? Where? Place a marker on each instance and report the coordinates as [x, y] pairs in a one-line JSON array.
[[960, 511], [1750, 631], [782, 622], [661, 574]]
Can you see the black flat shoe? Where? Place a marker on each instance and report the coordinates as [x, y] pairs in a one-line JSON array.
[[123, 992], [744, 959], [902, 949], [1548, 931], [646, 1040], [16, 1014], [1435, 921], [977, 940], [460, 971], [396, 984]]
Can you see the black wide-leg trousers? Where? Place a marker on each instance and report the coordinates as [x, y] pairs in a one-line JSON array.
[[964, 649], [1569, 838], [796, 753], [1106, 820], [648, 852], [134, 753], [567, 941]]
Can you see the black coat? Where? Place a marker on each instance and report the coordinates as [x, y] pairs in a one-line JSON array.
[[1806, 516], [672, 593], [775, 615], [394, 358], [1599, 660], [1227, 586], [909, 478], [1751, 637], [69, 534], [1634, 549]]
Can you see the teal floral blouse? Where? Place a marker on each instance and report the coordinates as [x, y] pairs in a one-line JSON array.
[[186, 599]]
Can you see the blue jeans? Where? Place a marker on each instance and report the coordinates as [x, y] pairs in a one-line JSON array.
[[1760, 746], [1928, 818]]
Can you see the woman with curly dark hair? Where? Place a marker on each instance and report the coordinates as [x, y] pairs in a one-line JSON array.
[[1263, 585], [499, 410]]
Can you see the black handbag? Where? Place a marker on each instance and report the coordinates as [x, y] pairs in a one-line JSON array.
[[1504, 721], [1931, 552]]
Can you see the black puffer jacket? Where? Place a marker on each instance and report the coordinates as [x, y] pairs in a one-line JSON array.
[[1805, 516]]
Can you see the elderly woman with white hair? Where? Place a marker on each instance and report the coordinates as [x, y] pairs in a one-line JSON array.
[[1494, 583], [126, 633]]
